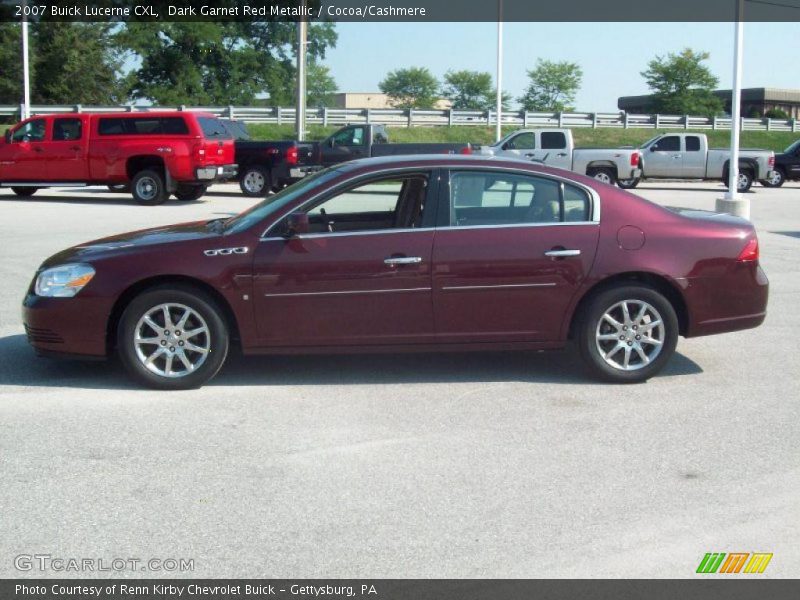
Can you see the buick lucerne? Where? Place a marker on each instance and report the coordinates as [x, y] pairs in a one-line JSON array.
[[421, 253]]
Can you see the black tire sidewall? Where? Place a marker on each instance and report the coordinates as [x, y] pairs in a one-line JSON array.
[[588, 324], [161, 195], [628, 186], [768, 183], [190, 193], [594, 172], [749, 176], [24, 192], [195, 299], [267, 181]]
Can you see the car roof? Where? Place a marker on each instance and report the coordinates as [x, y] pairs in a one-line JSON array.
[[135, 113]]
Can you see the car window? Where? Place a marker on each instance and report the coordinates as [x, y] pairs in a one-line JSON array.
[[523, 141], [174, 126], [670, 143], [490, 198], [352, 136], [391, 203], [554, 140], [213, 128], [692, 143], [142, 126], [32, 131], [67, 129]]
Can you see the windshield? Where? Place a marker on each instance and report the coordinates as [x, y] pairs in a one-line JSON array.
[[259, 212], [504, 140], [791, 149], [650, 141]]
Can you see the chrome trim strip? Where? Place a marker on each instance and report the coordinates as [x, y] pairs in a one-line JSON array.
[[492, 287], [304, 236], [350, 292]]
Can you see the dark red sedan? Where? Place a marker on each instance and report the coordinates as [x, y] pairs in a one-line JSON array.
[[407, 253]]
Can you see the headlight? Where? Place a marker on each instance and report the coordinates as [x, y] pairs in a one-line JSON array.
[[64, 281]]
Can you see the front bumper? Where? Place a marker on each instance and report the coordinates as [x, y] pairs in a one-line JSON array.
[[216, 173], [66, 326]]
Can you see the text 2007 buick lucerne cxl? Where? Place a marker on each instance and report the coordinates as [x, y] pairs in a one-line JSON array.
[[407, 253]]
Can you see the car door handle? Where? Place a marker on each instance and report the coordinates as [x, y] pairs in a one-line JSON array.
[[676, 156], [529, 154], [562, 154], [402, 260], [38, 149], [562, 253]]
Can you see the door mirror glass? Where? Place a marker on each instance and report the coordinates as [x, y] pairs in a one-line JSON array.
[[506, 146], [296, 224], [654, 147]]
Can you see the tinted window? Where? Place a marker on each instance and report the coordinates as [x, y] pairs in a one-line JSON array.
[[478, 198], [671, 143], [352, 136], [213, 128], [32, 131], [577, 205], [236, 128], [67, 129], [142, 126], [524, 141], [692, 143], [553, 140]]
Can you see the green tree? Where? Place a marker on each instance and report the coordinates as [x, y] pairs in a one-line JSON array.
[[776, 113], [415, 87], [552, 86], [681, 84], [472, 90], [217, 62], [320, 85], [11, 59]]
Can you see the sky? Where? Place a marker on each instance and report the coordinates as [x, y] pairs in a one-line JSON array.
[[612, 55]]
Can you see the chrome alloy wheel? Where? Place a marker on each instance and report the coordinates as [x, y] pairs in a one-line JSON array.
[[254, 182], [146, 188], [742, 181], [603, 177], [172, 340], [630, 335], [776, 178]]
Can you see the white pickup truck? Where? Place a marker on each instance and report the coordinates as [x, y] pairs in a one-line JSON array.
[[555, 148], [687, 156]]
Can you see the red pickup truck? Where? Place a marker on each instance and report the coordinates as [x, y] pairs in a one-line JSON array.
[[154, 154]]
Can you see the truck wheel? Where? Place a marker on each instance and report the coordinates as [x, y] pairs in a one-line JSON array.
[[148, 188], [777, 180], [255, 181], [25, 192], [629, 184], [188, 193], [744, 182], [603, 175]]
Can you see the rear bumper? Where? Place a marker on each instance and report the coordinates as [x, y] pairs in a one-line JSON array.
[[731, 303], [74, 327], [216, 173], [300, 172]]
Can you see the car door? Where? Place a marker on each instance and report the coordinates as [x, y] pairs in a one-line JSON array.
[[554, 149], [22, 160], [521, 145], [346, 144], [511, 256], [361, 274], [65, 150], [664, 158], [694, 159]]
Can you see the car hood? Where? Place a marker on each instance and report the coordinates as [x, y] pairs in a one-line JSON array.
[[133, 240]]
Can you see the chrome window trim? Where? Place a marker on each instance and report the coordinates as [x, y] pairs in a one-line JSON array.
[[593, 195]]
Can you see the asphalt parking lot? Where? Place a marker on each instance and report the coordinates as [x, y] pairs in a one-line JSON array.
[[463, 465]]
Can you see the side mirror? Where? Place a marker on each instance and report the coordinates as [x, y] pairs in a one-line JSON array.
[[297, 223], [654, 147], [505, 146]]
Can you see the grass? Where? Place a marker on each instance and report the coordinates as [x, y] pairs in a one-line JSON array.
[[597, 138]]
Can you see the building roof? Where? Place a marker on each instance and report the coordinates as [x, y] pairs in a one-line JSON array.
[[748, 94]]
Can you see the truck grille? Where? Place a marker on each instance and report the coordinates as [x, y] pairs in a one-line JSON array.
[[43, 336]]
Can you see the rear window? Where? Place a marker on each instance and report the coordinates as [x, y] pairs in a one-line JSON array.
[[553, 140], [213, 128], [142, 126]]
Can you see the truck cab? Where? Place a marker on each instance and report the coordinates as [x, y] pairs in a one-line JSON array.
[[550, 146]]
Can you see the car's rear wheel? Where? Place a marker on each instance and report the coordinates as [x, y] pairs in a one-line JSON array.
[[629, 184], [188, 193], [172, 338], [255, 181], [24, 192], [147, 188], [777, 180], [626, 334], [603, 175], [744, 180]]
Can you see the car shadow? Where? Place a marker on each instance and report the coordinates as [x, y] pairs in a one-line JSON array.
[[794, 234], [86, 197], [19, 366]]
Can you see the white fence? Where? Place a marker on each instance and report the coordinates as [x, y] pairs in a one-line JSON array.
[[439, 118]]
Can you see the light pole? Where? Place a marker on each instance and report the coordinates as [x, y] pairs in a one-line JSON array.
[[733, 203], [26, 85], [300, 114], [499, 107]]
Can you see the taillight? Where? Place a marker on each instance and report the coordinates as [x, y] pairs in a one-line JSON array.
[[771, 161], [466, 149], [291, 155], [750, 252], [635, 159], [200, 152]]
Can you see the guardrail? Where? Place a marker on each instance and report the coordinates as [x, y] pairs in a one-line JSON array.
[[396, 117]]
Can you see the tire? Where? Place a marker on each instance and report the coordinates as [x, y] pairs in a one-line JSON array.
[[148, 189], [24, 192], [745, 180], [167, 370], [188, 193], [777, 180], [603, 175], [255, 181], [629, 184], [605, 357]]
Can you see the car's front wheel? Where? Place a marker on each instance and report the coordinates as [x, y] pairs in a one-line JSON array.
[[626, 334], [777, 179], [24, 192], [172, 338], [255, 181]]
